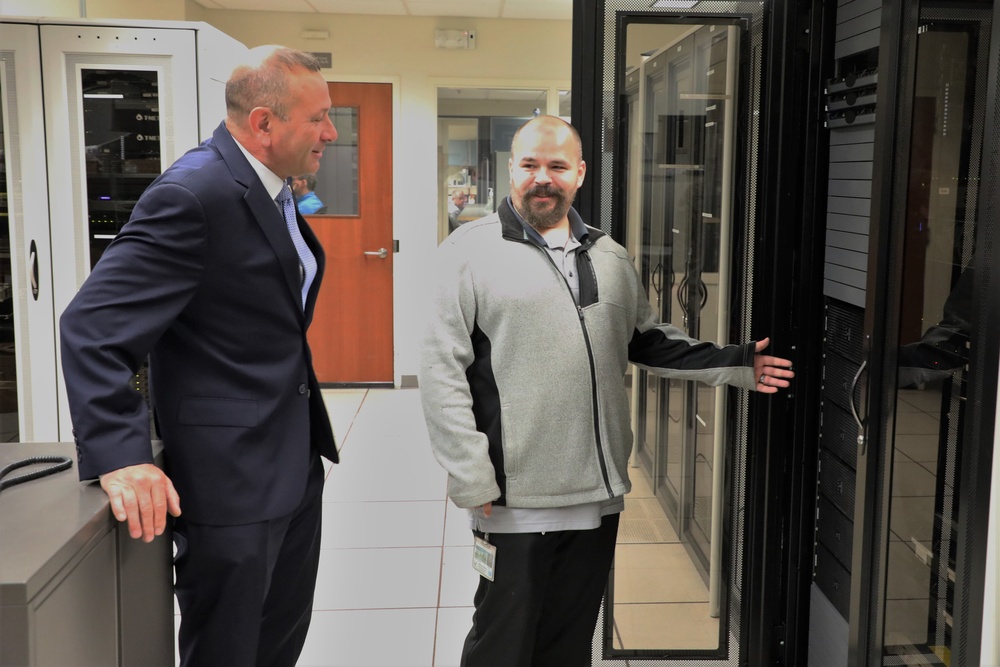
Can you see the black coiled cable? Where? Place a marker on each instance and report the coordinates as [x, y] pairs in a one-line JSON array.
[[61, 463]]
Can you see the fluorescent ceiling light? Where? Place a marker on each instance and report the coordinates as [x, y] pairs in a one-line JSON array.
[[674, 4], [103, 96]]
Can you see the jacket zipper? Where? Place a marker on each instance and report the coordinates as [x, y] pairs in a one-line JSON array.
[[593, 398], [593, 373]]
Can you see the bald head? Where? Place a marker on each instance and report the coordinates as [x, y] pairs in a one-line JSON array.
[[278, 109], [263, 81], [556, 128]]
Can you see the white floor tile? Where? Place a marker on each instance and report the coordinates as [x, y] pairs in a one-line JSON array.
[[457, 531], [452, 627], [922, 400], [640, 483], [388, 457], [666, 626], [920, 448], [371, 525], [393, 415], [918, 423], [912, 479], [458, 580], [370, 638], [656, 573], [912, 518], [378, 578], [353, 481], [342, 406]]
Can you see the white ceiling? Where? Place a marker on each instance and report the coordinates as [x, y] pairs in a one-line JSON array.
[[491, 94], [502, 9]]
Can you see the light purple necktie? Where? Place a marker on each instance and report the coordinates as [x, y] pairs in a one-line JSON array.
[[307, 261]]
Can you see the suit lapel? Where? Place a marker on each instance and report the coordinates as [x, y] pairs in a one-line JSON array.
[[263, 208], [320, 255]]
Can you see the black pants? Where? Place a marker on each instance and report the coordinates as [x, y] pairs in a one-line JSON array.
[[541, 608], [245, 592]]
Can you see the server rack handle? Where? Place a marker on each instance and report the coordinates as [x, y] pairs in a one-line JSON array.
[[862, 441]]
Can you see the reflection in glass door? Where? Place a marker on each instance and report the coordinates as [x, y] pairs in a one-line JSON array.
[[935, 342], [681, 122]]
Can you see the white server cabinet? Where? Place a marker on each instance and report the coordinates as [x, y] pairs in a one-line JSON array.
[[122, 101], [28, 374]]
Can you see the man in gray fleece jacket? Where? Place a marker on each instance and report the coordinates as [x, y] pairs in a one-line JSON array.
[[535, 317]]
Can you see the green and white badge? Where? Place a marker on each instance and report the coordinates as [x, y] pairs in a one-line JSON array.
[[484, 557]]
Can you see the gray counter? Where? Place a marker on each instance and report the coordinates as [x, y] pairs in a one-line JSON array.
[[75, 589]]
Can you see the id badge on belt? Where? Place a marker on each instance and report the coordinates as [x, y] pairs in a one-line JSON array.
[[484, 556]]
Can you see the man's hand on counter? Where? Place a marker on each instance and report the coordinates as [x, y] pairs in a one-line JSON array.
[[142, 495]]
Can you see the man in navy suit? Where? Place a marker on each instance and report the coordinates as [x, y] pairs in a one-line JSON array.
[[216, 286]]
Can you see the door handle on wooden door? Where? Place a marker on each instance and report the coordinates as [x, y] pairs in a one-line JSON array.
[[381, 253]]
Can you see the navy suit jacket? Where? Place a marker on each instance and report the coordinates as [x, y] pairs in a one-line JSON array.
[[204, 279]]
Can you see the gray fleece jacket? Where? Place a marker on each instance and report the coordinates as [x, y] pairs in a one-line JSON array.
[[523, 391]]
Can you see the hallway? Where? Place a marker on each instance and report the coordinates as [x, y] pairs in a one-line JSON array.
[[395, 581]]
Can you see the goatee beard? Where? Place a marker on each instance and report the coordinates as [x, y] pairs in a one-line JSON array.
[[547, 218]]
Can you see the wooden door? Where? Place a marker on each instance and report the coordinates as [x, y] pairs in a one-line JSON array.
[[351, 331]]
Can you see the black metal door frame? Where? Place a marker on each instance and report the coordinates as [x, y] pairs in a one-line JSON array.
[[897, 64], [788, 261]]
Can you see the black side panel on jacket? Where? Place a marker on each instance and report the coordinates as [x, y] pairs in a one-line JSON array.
[[486, 405], [653, 348], [588, 279]]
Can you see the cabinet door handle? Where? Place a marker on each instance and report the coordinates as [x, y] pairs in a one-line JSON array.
[[33, 270], [854, 412]]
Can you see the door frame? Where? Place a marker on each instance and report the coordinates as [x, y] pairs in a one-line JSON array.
[[353, 299], [788, 258], [405, 308], [897, 65]]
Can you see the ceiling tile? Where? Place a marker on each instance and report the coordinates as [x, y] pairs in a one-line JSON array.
[[508, 9], [476, 9], [267, 5], [538, 9], [382, 7]]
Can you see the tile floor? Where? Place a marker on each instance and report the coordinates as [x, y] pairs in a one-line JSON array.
[[917, 484], [396, 582]]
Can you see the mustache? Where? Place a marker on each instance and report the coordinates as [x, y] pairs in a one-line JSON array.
[[543, 191]]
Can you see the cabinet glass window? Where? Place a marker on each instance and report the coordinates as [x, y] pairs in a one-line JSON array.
[[121, 121], [9, 431]]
